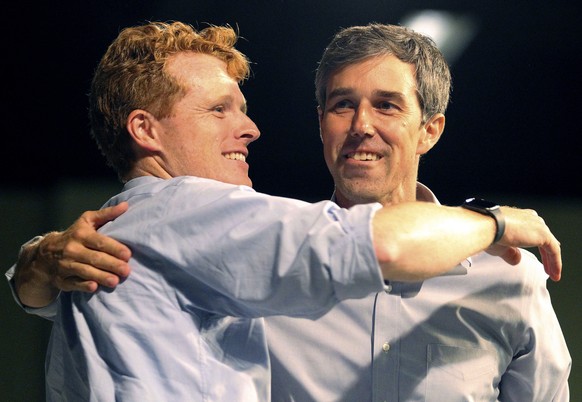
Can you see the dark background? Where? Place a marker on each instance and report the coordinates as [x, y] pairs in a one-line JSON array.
[[513, 124], [512, 134]]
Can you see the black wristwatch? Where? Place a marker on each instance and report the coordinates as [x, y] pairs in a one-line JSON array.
[[488, 208]]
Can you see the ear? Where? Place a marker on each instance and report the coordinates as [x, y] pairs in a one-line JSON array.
[[431, 133], [142, 128]]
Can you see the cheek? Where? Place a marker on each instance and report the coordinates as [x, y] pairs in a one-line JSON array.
[[399, 137], [331, 131], [329, 150], [331, 146]]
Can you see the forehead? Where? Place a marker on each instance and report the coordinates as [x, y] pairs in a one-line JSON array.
[[204, 76], [380, 73], [198, 69]]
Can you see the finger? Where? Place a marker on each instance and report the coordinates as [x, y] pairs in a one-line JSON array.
[[112, 256], [102, 216], [548, 264], [512, 255], [76, 284], [79, 284], [552, 260], [108, 263], [104, 247], [108, 276]]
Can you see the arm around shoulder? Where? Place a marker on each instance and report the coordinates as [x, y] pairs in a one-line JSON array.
[[419, 240]]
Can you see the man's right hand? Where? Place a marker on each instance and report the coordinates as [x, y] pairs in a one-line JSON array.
[[77, 259]]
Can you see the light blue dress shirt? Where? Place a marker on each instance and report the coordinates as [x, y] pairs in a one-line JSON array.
[[208, 259], [485, 331]]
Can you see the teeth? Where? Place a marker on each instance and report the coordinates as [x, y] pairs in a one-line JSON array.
[[237, 156], [364, 156]]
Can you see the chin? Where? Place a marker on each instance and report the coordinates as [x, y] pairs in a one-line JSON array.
[[362, 192]]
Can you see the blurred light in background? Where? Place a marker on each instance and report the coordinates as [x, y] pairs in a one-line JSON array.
[[451, 32]]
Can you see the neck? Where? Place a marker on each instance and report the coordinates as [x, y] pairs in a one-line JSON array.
[[396, 196], [147, 167]]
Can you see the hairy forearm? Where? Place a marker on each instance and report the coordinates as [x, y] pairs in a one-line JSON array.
[[416, 241]]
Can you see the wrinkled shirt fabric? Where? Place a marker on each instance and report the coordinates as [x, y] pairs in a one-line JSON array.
[[484, 331], [208, 260]]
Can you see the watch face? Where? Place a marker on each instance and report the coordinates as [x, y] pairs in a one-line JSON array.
[[479, 203]]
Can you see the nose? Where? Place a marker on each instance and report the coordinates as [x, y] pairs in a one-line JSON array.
[[249, 129], [362, 124]]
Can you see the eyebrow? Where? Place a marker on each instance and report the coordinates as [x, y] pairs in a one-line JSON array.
[[344, 91], [399, 96]]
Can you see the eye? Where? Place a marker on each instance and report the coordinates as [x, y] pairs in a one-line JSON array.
[[385, 105], [342, 106], [219, 109]]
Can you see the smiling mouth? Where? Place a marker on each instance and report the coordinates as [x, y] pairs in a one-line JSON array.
[[235, 156], [363, 156]]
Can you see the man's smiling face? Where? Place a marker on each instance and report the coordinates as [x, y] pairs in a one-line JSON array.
[[372, 131], [208, 131]]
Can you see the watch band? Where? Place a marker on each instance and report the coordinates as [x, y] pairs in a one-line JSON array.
[[488, 208]]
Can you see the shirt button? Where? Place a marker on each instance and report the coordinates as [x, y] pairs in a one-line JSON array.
[[386, 347]]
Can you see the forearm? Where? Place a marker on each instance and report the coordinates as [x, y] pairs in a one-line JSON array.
[[415, 241]]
